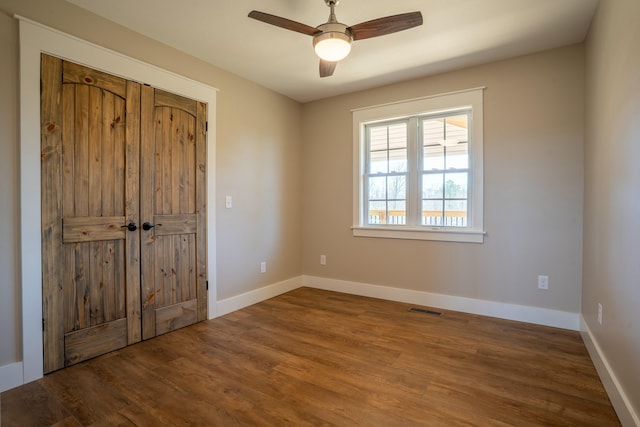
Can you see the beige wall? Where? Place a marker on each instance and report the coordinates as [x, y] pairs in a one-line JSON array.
[[259, 153], [612, 178], [533, 162], [258, 161]]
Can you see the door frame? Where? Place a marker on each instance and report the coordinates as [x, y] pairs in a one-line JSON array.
[[35, 39]]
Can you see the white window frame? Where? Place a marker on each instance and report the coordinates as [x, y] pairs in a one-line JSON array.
[[470, 98]]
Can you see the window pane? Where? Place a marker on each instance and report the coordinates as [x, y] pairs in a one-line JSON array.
[[378, 162], [398, 160], [398, 135], [432, 212], [397, 187], [457, 127], [397, 213], [388, 148], [397, 205], [455, 185], [445, 128], [432, 131], [455, 213], [458, 156], [433, 158], [378, 188], [378, 138], [377, 212], [432, 186]]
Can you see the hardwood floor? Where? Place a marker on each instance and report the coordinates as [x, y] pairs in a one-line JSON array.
[[318, 358]]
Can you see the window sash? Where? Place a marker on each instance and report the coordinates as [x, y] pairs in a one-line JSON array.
[[373, 219], [414, 198], [445, 219]]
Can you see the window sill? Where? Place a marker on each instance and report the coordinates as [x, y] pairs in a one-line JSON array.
[[438, 234]]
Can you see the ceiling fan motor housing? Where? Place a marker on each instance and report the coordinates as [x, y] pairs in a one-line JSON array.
[[333, 33], [332, 30]]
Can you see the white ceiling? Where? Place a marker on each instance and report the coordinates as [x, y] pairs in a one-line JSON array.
[[455, 34]]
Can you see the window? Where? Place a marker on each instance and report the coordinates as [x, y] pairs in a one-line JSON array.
[[418, 169]]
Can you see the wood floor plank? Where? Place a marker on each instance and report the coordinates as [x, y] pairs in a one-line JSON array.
[[319, 358], [31, 405]]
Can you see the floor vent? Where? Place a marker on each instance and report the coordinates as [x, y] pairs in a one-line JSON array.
[[422, 310]]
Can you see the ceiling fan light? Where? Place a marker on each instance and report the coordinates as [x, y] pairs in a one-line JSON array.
[[332, 46]]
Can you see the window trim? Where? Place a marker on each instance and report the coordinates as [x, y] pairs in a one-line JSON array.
[[443, 103]]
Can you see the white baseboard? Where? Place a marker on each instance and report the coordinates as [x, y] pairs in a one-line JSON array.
[[540, 316], [619, 399], [237, 302], [10, 376]]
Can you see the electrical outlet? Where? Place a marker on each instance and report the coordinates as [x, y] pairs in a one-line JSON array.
[[600, 313], [323, 260], [543, 282], [228, 202], [263, 267]]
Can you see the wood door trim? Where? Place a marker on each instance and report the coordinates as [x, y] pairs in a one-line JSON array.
[[175, 224], [176, 316], [88, 229], [74, 73], [94, 341], [166, 99]]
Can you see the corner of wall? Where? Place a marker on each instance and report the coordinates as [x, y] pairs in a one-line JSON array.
[[621, 403], [246, 299], [10, 376]]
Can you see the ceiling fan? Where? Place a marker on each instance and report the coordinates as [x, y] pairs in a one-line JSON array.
[[332, 40]]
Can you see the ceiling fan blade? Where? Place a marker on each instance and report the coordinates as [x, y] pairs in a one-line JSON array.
[[283, 23], [386, 25], [327, 68]]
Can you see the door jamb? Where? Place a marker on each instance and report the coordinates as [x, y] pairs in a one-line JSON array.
[[35, 39]]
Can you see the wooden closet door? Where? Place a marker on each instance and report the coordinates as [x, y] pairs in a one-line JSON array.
[[173, 212], [90, 173]]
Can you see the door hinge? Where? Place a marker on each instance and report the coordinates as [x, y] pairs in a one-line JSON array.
[[206, 126], [207, 285], [43, 325]]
